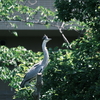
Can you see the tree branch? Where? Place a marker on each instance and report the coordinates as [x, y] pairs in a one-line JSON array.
[[65, 39]]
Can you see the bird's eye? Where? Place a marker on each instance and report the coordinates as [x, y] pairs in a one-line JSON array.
[[45, 37]]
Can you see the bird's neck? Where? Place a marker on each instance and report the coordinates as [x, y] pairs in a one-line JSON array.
[[46, 54]]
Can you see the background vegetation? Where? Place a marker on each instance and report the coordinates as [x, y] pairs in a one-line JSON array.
[[71, 74], [77, 78]]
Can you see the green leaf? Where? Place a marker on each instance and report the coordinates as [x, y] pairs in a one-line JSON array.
[[15, 33]]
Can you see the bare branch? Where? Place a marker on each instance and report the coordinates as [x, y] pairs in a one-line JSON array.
[[62, 27], [65, 39]]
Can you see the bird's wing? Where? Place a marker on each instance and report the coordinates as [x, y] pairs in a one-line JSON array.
[[32, 72]]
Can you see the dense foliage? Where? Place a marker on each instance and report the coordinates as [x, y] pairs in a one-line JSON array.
[[56, 75], [83, 10], [74, 75], [14, 63], [76, 78], [19, 10], [86, 11], [12, 11], [71, 74]]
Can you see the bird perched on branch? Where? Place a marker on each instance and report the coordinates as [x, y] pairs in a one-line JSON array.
[[39, 67]]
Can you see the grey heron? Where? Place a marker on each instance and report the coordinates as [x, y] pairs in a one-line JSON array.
[[39, 67]]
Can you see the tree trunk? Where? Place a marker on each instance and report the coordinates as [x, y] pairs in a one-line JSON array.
[[36, 94]]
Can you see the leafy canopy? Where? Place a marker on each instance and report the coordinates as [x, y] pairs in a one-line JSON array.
[[71, 74], [76, 77], [18, 10], [14, 63]]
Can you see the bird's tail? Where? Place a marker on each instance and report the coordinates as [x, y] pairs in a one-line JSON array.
[[22, 84]]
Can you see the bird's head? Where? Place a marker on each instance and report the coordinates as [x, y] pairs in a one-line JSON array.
[[45, 38]]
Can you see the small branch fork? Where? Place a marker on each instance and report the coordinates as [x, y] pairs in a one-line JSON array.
[[39, 83], [65, 39]]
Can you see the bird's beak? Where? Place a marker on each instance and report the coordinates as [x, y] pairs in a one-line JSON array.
[[49, 39]]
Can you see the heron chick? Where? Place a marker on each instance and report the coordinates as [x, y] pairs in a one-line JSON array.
[[39, 67]]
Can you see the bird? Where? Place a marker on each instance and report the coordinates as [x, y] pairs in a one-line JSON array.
[[39, 67]]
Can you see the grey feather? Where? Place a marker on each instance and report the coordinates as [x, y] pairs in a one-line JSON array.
[[31, 74]]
